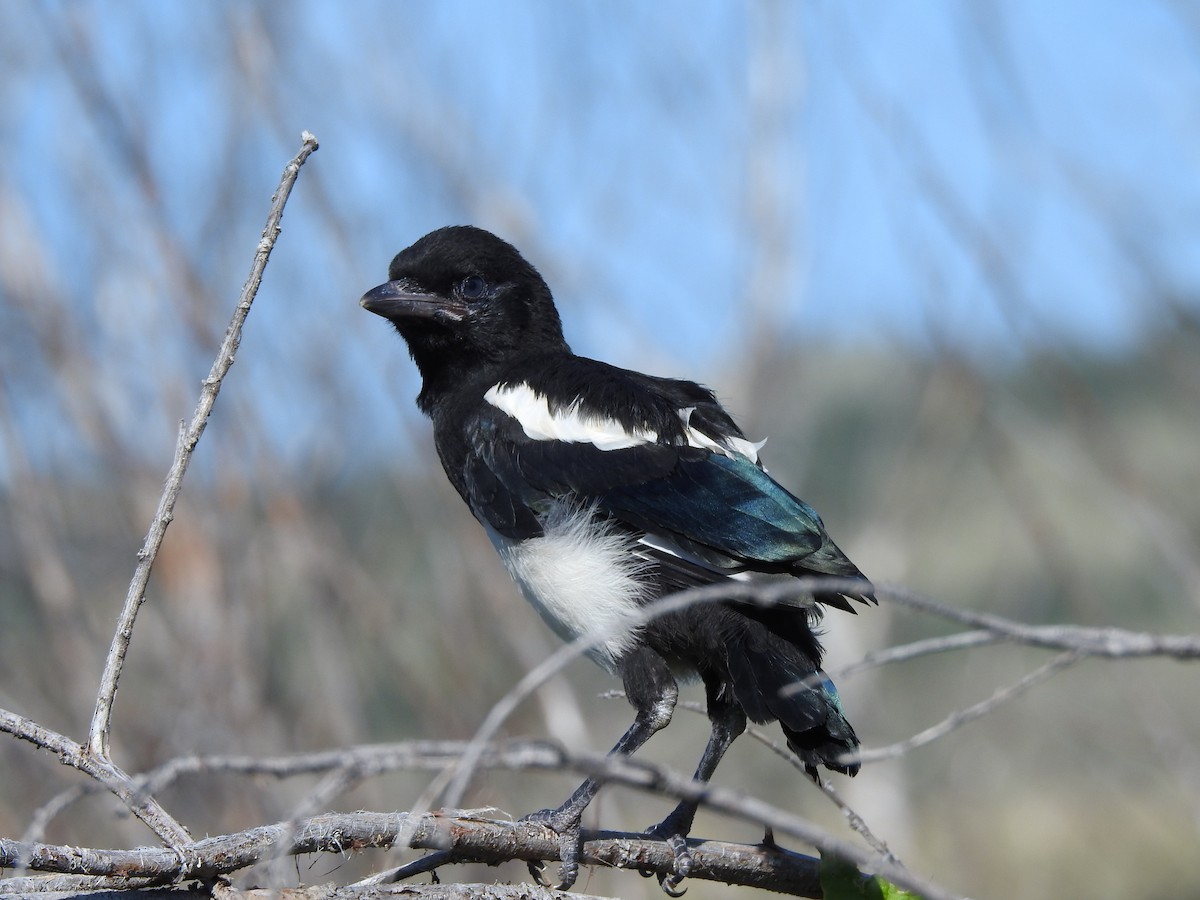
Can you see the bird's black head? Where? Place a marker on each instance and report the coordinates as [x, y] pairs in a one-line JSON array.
[[465, 300]]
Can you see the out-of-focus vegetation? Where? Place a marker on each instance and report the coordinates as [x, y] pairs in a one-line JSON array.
[[323, 586]]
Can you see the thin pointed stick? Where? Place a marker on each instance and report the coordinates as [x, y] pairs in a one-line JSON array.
[[98, 735]]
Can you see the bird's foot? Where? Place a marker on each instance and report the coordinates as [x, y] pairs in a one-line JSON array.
[[674, 830], [565, 823]]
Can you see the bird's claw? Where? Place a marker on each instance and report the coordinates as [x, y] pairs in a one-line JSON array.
[[570, 847], [536, 868], [668, 883], [682, 866]]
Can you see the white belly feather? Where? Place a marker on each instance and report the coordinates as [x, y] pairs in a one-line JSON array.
[[582, 579]]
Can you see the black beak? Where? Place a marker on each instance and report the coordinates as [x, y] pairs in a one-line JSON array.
[[396, 300]]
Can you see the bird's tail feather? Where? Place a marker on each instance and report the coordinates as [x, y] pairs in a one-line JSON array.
[[773, 679]]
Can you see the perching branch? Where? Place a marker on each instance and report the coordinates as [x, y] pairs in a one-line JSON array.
[[458, 836], [98, 736], [766, 867]]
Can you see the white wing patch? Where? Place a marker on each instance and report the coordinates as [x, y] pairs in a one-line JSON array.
[[571, 425], [581, 577], [730, 446]]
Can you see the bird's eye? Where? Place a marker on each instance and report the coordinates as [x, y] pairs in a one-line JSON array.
[[473, 288]]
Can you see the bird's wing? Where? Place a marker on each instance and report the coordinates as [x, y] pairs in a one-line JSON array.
[[698, 495]]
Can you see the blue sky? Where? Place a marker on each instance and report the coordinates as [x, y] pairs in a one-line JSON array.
[[689, 176]]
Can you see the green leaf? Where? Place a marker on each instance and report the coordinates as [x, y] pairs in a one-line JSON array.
[[841, 880], [889, 891]]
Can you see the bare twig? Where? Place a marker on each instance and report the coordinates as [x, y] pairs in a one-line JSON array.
[[410, 891], [975, 711], [428, 863], [365, 761], [71, 753], [925, 647], [1115, 643], [52, 808], [61, 887], [857, 823], [98, 737], [853, 818]]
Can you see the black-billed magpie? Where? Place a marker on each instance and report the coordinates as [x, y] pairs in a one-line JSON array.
[[603, 489]]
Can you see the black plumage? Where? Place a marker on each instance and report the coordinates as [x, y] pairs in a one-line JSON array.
[[603, 489]]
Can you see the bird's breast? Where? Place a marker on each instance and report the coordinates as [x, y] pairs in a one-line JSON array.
[[582, 577]]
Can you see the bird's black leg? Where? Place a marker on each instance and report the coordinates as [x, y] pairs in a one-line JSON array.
[[652, 690], [728, 721]]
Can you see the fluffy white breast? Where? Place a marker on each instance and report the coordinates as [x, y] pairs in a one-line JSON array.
[[532, 410], [581, 577]]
